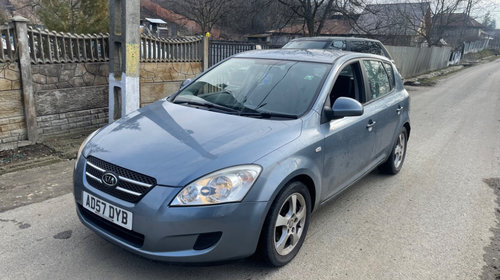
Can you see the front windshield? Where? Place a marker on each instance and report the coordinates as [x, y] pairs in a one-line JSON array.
[[306, 44], [256, 86]]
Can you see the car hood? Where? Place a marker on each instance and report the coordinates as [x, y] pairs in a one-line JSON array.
[[177, 144]]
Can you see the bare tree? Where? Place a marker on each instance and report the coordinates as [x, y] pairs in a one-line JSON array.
[[429, 20], [206, 13], [312, 12], [488, 22], [27, 9], [4, 16], [454, 15], [257, 16]]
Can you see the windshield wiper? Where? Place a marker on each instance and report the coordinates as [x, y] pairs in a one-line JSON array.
[[268, 115], [205, 105]]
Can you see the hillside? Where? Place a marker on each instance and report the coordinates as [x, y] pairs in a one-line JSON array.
[[186, 26], [149, 8]]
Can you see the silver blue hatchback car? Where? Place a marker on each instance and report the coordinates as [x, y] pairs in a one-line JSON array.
[[237, 160]]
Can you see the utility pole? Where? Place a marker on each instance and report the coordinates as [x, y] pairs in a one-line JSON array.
[[124, 55]]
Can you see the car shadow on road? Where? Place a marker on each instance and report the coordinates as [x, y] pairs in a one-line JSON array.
[[123, 264]]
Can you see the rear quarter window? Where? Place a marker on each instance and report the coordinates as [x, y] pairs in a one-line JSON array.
[[390, 74]]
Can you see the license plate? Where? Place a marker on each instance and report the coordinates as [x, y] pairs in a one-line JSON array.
[[108, 211]]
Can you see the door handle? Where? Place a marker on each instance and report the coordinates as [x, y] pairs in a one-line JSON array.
[[370, 124], [399, 109]]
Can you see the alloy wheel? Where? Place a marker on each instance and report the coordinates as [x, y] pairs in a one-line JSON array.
[[290, 223], [399, 150]]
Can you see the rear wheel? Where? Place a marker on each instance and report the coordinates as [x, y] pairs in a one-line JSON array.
[[397, 156], [286, 225]]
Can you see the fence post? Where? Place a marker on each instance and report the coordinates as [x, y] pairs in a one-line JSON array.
[[21, 25], [205, 53]]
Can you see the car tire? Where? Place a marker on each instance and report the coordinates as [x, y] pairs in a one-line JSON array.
[[286, 226], [395, 161]]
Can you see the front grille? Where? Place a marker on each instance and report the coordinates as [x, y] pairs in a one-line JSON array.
[[131, 186], [132, 237]]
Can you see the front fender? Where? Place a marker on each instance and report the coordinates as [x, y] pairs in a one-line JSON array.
[[275, 177]]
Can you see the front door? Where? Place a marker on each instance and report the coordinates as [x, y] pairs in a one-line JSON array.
[[348, 142]]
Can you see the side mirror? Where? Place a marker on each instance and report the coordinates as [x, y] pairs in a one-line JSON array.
[[185, 83], [344, 107]]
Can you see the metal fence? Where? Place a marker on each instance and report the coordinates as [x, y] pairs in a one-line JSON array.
[[494, 45], [220, 50], [476, 46], [412, 61], [8, 49], [154, 49]]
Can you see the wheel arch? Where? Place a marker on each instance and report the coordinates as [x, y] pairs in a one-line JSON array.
[[304, 177], [408, 128], [300, 177], [308, 181]]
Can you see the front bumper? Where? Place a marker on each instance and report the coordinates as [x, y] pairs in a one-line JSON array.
[[176, 234]]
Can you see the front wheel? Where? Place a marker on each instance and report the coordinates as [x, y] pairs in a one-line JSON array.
[[286, 225], [397, 156]]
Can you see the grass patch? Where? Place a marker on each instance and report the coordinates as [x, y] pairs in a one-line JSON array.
[[490, 54], [431, 81]]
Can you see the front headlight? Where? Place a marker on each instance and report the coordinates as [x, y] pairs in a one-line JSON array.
[[226, 185], [83, 145]]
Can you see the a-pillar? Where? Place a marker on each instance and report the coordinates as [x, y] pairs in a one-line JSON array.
[[124, 55]]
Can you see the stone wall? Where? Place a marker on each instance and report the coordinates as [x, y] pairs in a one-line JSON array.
[[12, 123], [164, 78], [70, 96], [64, 90], [74, 96]]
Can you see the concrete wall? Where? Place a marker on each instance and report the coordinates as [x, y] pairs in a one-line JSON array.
[[64, 90], [74, 96], [70, 96], [12, 123], [412, 61], [161, 79]]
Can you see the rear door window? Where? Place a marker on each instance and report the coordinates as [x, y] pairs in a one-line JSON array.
[[378, 80]]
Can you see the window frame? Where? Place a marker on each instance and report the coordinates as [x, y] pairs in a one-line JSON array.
[[360, 79], [361, 86]]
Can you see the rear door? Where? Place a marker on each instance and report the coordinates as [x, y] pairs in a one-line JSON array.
[[384, 103]]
